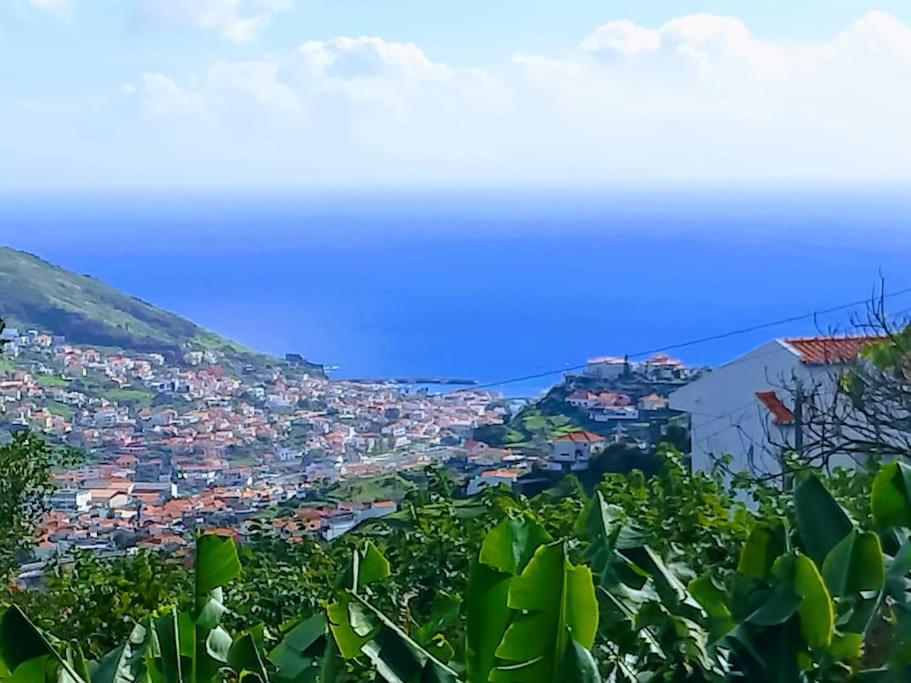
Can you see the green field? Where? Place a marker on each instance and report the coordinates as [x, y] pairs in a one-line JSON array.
[[60, 409], [51, 381], [128, 395], [382, 487]]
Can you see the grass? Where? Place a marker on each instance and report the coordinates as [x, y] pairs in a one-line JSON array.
[[51, 381], [381, 487], [128, 395], [60, 409]]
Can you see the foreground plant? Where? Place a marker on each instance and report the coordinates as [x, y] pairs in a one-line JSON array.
[[814, 596]]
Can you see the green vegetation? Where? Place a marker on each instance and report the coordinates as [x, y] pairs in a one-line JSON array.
[[37, 294], [382, 487], [124, 396], [653, 578], [26, 464], [530, 426], [61, 409], [51, 381]]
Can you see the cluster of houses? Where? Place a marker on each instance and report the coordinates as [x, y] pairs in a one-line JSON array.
[[745, 413], [173, 444], [175, 447]]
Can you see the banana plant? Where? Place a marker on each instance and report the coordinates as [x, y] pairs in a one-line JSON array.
[[821, 601], [532, 613], [652, 627]]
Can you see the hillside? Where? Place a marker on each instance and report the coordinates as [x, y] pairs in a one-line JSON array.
[[37, 294]]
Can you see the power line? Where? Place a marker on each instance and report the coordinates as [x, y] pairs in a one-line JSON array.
[[687, 344]]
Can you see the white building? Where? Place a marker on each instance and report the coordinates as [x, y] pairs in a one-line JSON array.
[[70, 500], [487, 478], [744, 408], [572, 452], [605, 367], [612, 413]]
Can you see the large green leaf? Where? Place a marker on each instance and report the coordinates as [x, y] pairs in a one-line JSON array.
[[487, 619], [554, 603], [368, 565], [245, 657], [294, 654], [174, 651], [20, 641], [126, 664], [22, 645], [817, 613], [216, 562], [511, 544], [349, 642], [780, 605], [855, 564], [898, 585], [396, 657], [579, 665], [891, 497], [821, 521], [765, 544]]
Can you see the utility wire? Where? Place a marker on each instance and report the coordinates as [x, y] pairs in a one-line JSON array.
[[686, 344]]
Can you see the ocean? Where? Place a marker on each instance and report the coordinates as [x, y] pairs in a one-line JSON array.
[[484, 285]]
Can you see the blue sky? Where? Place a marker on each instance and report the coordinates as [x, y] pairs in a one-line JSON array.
[[264, 93]]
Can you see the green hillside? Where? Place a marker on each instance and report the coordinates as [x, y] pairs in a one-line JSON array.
[[38, 294]]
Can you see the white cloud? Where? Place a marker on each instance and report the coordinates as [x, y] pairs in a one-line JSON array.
[[697, 98], [367, 57], [62, 10], [235, 20]]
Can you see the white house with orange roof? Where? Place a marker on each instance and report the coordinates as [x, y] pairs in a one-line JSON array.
[[572, 452], [745, 408]]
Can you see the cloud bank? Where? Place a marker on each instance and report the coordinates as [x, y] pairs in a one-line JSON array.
[[698, 98]]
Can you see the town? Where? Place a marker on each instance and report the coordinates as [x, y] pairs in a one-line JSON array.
[[174, 445]]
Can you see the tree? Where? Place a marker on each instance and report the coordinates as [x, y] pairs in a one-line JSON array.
[[861, 411], [26, 464]]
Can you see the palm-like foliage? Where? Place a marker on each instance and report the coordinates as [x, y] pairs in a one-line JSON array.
[[815, 596]]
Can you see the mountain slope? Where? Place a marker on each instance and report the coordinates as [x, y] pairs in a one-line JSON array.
[[38, 294]]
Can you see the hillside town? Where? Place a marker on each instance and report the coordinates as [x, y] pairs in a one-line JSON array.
[[174, 445]]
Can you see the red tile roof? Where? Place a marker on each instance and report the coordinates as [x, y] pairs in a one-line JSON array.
[[825, 350], [781, 414], [582, 436]]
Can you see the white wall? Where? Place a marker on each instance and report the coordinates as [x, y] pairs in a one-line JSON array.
[[727, 418]]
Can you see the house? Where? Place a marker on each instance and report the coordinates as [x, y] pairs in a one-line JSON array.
[[573, 451], [745, 408], [503, 475], [157, 491], [581, 399], [652, 402], [109, 498], [662, 368], [70, 500], [609, 413], [606, 367]]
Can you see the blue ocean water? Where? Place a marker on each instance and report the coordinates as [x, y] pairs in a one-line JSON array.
[[483, 285]]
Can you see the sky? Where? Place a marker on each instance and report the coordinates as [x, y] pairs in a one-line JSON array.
[[136, 94]]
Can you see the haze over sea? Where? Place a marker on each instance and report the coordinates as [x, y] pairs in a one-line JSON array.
[[483, 285]]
